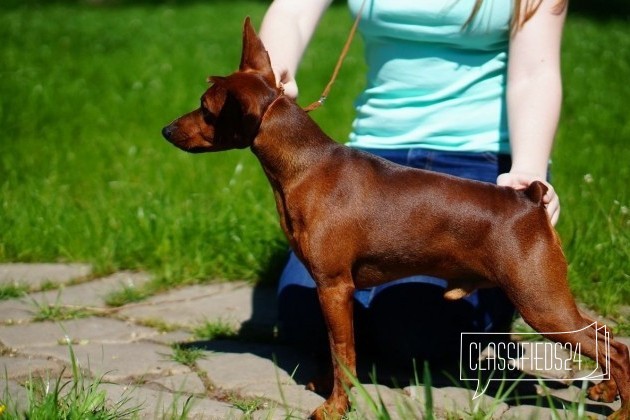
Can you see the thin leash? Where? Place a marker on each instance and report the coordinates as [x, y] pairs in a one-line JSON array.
[[342, 56]]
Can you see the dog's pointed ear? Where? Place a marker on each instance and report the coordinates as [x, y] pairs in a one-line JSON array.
[[254, 55]]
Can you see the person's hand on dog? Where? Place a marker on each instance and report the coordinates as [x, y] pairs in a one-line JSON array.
[[289, 85], [520, 181]]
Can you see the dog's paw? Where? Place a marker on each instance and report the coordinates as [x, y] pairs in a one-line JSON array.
[[605, 391], [330, 410]]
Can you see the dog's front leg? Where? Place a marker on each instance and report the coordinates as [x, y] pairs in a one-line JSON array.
[[336, 300]]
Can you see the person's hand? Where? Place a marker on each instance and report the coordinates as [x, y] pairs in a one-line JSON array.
[[289, 85], [520, 181]]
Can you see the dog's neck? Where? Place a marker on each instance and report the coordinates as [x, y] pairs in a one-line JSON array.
[[281, 145], [290, 148]]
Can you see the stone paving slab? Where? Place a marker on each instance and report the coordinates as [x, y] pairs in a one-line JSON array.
[[21, 368], [90, 294], [78, 331], [269, 359], [160, 404], [452, 401], [172, 337], [235, 371], [116, 362], [85, 295], [16, 311], [233, 303], [275, 413], [398, 405], [118, 349], [291, 398], [191, 293], [37, 275], [186, 383], [530, 412]]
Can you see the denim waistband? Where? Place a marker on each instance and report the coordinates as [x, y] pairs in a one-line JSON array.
[[480, 166]]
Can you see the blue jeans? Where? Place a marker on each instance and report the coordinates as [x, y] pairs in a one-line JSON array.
[[407, 318]]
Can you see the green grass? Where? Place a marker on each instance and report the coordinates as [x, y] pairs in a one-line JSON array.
[[126, 294], [82, 398], [590, 161], [247, 405], [85, 175], [45, 311], [213, 330], [79, 397], [371, 404], [159, 325], [12, 291], [186, 355]]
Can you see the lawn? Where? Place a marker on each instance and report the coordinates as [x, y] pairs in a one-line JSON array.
[[85, 175]]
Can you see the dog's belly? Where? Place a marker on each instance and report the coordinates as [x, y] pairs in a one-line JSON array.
[[461, 280]]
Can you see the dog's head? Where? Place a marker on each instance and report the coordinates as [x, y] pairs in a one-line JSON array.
[[232, 108]]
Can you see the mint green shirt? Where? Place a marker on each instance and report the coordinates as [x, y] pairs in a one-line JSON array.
[[432, 83]]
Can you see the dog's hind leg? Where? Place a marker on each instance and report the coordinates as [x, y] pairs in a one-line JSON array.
[[550, 309], [619, 380], [607, 389], [336, 299]]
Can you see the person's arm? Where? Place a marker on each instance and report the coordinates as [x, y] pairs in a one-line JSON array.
[[286, 31], [534, 96]]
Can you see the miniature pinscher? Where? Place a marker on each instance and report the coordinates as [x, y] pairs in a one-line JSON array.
[[356, 221]]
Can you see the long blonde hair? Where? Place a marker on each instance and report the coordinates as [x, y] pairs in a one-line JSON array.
[[522, 12]]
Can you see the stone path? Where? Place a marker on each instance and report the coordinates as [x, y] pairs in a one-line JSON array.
[[131, 348]]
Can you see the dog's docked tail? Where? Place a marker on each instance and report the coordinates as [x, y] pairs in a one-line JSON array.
[[536, 191]]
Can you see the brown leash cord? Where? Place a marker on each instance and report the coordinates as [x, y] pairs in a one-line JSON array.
[[342, 56]]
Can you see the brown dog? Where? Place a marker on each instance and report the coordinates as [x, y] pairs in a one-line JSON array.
[[357, 221]]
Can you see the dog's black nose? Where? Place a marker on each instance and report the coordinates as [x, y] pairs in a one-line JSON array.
[[167, 132]]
